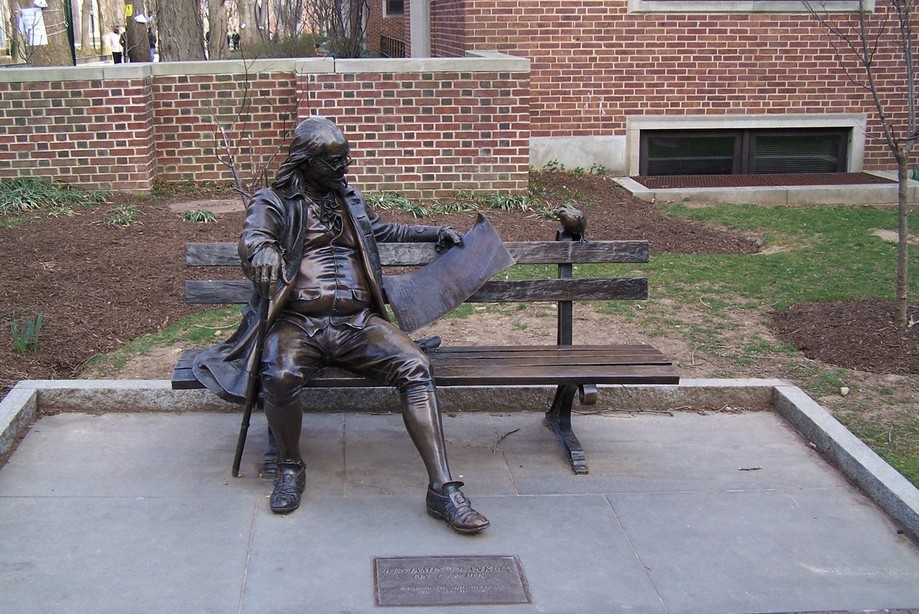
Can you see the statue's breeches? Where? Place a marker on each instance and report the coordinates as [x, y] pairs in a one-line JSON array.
[[378, 350]]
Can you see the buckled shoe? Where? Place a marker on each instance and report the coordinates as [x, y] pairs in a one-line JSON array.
[[452, 506], [288, 487]]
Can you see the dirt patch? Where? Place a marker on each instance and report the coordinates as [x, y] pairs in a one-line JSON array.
[[156, 364], [891, 236]]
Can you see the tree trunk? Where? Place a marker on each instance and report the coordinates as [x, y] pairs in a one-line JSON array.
[[110, 15], [138, 47], [181, 31], [260, 9], [86, 33], [46, 41], [217, 47], [248, 33], [902, 238]]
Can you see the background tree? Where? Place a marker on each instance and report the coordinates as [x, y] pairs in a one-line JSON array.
[[343, 23], [217, 48], [138, 47], [181, 31], [58, 50], [290, 17], [248, 33], [109, 14], [86, 35], [883, 48]]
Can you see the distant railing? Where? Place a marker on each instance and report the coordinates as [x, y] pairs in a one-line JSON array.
[[392, 47]]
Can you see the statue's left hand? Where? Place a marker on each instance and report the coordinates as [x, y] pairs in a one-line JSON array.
[[447, 238]]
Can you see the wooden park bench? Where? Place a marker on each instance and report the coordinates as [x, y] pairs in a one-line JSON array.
[[572, 369]]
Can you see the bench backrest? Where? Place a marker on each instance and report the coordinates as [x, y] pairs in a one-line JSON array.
[[562, 289]]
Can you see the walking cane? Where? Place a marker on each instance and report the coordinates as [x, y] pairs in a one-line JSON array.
[[253, 381]]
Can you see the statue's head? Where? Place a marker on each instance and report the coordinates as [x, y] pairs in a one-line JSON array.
[[318, 156]]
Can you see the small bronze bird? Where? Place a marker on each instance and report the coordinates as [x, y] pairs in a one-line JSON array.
[[574, 223]]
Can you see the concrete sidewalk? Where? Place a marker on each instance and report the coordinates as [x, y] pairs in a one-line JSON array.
[[681, 512]]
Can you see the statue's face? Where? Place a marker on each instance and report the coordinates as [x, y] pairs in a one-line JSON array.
[[327, 170]]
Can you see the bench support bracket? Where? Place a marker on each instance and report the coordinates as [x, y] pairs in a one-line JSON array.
[[558, 418]]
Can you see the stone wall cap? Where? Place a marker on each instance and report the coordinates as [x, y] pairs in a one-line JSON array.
[[492, 62]]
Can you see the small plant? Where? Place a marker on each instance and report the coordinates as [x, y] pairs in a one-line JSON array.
[[392, 201], [452, 207], [122, 216], [503, 202], [25, 335], [500, 202], [35, 193], [61, 212], [387, 201], [203, 216], [599, 169]]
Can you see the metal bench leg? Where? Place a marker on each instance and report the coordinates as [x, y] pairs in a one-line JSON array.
[[558, 418]]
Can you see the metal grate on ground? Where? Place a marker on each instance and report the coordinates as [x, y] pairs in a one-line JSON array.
[[663, 182]]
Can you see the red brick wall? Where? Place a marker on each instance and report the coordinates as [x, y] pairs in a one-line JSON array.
[[447, 28], [407, 26], [429, 135], [91, 132], [393, 27], [422, 132], [256, 112], [374, 19], [593, 64]]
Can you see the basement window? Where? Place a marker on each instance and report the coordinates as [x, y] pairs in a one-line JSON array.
[[393, 8], [743, 152]]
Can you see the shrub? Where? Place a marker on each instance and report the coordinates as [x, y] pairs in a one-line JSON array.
[[199, 215]]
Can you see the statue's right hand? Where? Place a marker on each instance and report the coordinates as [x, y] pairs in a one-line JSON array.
[[266, 268]]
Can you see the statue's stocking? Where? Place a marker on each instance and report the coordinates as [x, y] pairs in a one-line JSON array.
[[422, 420], [285, 423]]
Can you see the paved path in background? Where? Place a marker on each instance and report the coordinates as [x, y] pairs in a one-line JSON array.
[[217, 206]]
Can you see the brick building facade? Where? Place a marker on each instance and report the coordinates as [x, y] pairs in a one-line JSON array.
[[605, 73]]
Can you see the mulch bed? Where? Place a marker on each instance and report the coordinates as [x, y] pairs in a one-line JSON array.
[[860, 335], [98, 287]]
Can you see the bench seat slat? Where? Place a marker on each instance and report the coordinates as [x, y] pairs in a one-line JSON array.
[[219, 292], [503, 362], [489, 368], [547, 350], [412, 254], [581, 355]]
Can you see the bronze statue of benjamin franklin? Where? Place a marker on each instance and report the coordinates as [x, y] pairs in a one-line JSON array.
[[310, 243]]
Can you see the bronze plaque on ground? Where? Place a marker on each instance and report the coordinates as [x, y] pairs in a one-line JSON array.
[[449, 580]]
